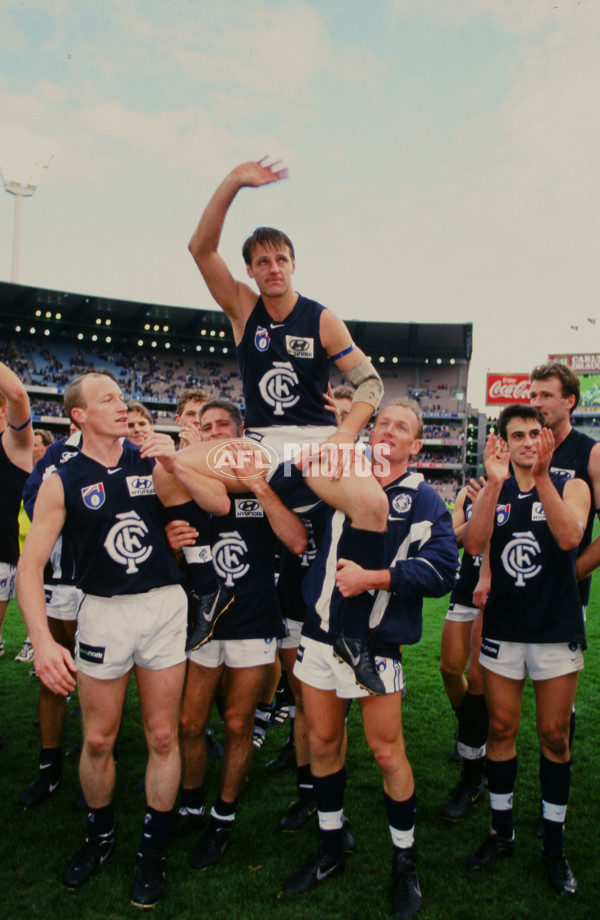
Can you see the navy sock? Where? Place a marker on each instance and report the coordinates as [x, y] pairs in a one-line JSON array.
[[501, 783], [401, 819], [192, 798], [329, 796], [222, 813], [367, 549], [157, 829], [51, 761], [100, 822], [473, 725], [304, 782], [555, 780]]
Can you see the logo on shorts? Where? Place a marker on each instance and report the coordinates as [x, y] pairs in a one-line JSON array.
[[124, 542], [94, 654], [140, 485], [573, 647], [228, 557], [93, 496], [276, 387], [489, 648], [502, 514], [537, 512], [300, 653], [518, 557], [48, 592], [300, 348], [402, 503], [248, 508], [262, 339], [380, 664], [3, 582]]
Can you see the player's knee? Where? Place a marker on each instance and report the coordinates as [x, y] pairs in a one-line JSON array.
[[162, 739], [501, 729], [99, 745], [389, 756], [325, 745], [238, 725], [450, 669], [190, 726], [554, 738]]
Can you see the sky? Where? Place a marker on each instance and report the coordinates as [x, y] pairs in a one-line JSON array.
[[444, 158]]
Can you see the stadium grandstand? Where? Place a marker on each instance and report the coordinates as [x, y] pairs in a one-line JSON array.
[[156, 351]]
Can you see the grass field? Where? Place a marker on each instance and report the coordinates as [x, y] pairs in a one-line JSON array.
[[36, 844]]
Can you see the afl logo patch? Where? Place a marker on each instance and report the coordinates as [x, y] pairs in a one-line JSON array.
[[502, 514], [262, 339], [299, 347], [402, 503], [140, 485], [93, 496], [248, 507]]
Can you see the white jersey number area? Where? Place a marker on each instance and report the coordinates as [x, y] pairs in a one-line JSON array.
[[125, 542]]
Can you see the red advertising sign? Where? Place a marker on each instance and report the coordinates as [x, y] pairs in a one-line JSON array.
[[507, 388]]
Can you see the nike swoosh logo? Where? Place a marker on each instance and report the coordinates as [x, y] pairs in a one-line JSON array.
[[53, 786], [355, 659], [116, 470], [276, 325], [525, 496], [208, 618], [321, 875]]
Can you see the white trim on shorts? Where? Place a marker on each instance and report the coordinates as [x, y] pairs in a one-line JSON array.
[[235, 653], [460, 613], [539, 660], [317, 666], [63, 601], [114, 633], [8, 581], [293, 633]]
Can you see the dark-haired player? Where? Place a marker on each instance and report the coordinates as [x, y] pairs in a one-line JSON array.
[[133, 617], [243, 642], [285, 344], [533, 623]]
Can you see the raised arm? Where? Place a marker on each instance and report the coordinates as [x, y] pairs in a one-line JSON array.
[[18, 437], [477, 533], [54, 664], [234, 297], [566, 516]]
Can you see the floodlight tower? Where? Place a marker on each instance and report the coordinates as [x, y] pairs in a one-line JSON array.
[[21, 187]]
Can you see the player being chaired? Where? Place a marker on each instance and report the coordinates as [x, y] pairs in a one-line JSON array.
[[285, 344]]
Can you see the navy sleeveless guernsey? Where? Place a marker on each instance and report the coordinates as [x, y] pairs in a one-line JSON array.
[[115, 525], [284, 367], [534, 595]]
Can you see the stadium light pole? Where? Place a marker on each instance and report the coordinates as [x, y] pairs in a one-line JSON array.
[[21, 188]]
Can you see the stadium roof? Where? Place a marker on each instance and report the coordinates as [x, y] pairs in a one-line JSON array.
[[65, 313]]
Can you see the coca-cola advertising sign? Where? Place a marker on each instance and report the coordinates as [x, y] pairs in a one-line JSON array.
[[507, 388]]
